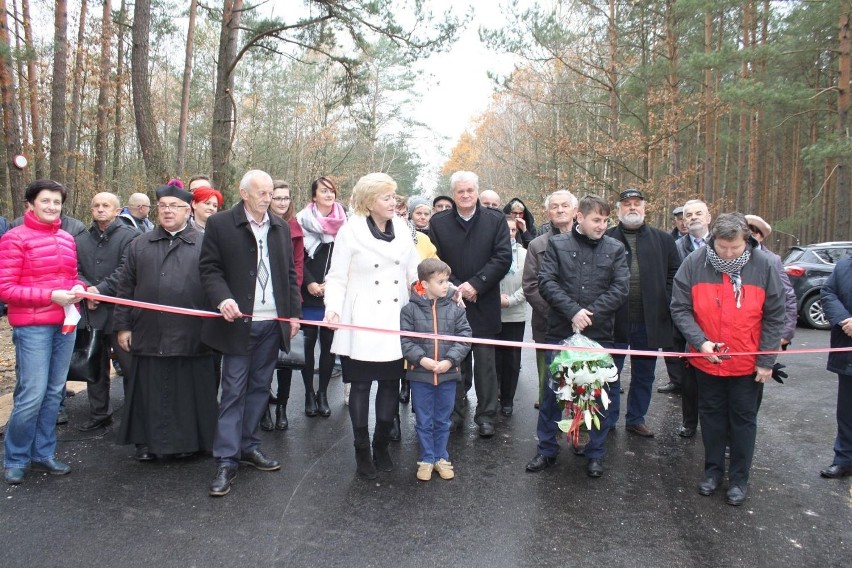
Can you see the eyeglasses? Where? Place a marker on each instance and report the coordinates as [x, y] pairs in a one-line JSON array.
[[281, 199], [170, 207]]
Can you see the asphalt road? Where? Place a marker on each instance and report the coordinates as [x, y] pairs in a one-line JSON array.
[[645, 511]]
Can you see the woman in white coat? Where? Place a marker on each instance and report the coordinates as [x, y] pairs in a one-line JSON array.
[[373, 265]]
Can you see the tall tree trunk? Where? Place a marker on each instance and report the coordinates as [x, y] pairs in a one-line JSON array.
[[612, 73], [146, 130], [103, 95], [22, 93], [76, 99], [223, 111], [32, 88], [58, 91], [119, 90], [184, 97], [841, 226], [708, 188], [673, 102], [11, 135]]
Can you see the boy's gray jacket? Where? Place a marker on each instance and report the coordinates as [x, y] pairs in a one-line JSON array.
[[440, 316]]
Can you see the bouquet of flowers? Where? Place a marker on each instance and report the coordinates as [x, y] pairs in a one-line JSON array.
[[578, 379]]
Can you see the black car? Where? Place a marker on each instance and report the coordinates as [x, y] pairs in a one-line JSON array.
[[808, 267]]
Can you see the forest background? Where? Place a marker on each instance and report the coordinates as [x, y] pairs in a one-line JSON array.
[[742, 103]]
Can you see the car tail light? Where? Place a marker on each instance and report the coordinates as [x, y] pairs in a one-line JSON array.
[[794, 270]]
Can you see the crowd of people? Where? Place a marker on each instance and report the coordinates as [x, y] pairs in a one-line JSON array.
[[353, 281]]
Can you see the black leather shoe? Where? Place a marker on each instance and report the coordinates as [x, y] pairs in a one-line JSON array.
[[221, 485], [507, 410], [322, 405], [404, 391], [708, 486], [669, 388], [53, 467], [14, 475], [486, 430], [736, 495], [310, 404], [256, 459], [266, 422], [686, 432], [540, 462], [143, 455], [594, 468], [62, 416], [835, 471], [95, 423], [395, 434]]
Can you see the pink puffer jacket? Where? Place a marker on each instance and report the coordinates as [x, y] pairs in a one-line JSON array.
[[36, 258]]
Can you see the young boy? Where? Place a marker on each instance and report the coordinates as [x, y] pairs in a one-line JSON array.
[[433, 365]]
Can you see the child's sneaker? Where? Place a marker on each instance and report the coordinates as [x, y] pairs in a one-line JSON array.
[[444, 469], [424, 471]]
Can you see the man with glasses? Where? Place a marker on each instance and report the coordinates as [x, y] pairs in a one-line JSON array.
[[170, 399], [136, 213], [249, 275]]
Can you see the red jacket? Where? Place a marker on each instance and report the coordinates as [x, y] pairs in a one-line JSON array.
[[704, 309], [36, 258]]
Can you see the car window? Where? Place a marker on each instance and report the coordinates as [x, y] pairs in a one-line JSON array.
[[793, 255], [835, 255], [813, 256]]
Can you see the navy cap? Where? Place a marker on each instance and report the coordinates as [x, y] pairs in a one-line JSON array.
[[632, 192]]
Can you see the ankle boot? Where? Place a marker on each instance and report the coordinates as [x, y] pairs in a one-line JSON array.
[[381, 455], [395, 434], [266, 422], [364, 464], [322, 404], [310, 403], [281, 422], [404, 391]]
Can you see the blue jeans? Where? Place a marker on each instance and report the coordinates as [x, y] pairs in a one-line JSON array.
[[641, 375], [43, 354], [549, 414], [434, 408]]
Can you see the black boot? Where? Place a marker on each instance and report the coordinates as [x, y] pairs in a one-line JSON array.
[[322, 404], [310, 403], [395, 434], [364, 464], [404, 391], [266, 422], [281, 422], [381, 439]]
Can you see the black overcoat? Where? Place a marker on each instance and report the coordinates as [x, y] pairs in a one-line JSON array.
[[478, 252], [162, 270], [658, 264], [228, 269]]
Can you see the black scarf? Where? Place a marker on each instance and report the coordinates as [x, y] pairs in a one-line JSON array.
[[583, 238], [386, 235]]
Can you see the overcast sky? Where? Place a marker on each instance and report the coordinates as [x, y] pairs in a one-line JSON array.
[[459, 88]]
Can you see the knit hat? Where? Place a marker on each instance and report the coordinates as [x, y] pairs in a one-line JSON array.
[[416, 201]]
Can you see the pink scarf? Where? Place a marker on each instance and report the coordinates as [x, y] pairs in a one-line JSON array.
[[319, 228]]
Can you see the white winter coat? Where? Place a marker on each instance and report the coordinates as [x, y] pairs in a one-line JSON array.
[[367, 284]]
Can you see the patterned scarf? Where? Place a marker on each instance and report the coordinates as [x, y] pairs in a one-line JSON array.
[[318, 228], [731, 267]]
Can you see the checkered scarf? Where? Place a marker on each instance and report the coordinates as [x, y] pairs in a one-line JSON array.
[[732, 268]]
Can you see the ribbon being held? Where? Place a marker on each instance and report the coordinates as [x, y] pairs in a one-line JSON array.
[[579, 380]]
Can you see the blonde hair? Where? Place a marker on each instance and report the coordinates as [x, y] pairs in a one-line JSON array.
[[367, 191]]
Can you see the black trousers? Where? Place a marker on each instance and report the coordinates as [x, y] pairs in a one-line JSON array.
[[507, 361], [727, 409]]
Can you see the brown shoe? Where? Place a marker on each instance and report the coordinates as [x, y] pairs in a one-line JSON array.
[[640, 430], [444, 469]]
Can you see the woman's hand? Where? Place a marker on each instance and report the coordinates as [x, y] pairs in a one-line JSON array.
[[317, 290], [63, 297], [331, 317]]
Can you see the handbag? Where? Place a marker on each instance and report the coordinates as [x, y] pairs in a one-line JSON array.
[[86, 358], [295, 359]]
